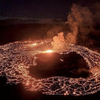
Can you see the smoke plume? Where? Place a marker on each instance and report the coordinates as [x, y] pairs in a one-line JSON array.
[[58, 42], [80, 21], [95, 8]]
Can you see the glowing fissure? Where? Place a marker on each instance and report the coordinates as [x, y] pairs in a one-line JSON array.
[[17, 57]]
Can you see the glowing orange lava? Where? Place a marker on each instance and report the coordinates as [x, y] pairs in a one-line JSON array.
[[34, 44], [48, 51]]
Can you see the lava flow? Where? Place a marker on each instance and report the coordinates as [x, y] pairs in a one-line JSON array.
[[16, 58]]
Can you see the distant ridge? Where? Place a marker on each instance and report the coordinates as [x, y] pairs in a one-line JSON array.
[[25, 20]]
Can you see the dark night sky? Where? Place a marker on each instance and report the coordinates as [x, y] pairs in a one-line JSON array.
[[37, 8]]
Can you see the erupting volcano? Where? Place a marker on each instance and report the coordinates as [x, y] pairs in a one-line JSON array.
[[50, 55]]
